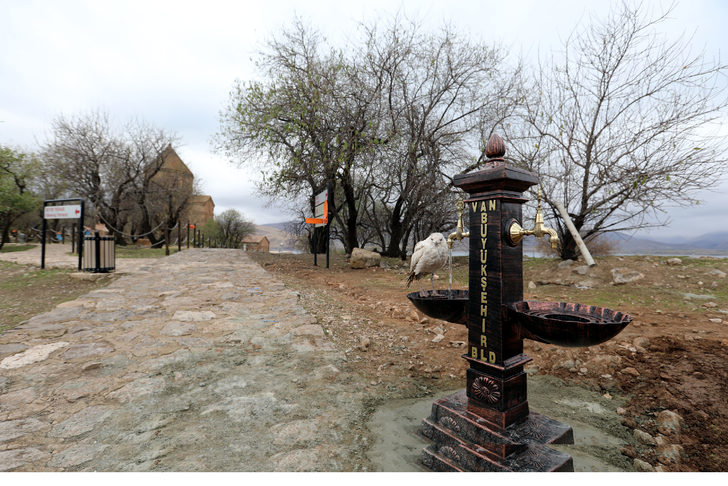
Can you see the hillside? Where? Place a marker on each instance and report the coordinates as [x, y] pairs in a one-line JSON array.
[[279, 239]]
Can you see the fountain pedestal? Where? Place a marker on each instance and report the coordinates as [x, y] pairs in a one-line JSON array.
[[488, 426]]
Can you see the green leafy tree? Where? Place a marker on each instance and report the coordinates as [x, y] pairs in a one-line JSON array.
[[232, 228], [312, 121], [16, 173]]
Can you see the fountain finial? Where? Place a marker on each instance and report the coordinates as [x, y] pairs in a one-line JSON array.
[[495, 149]]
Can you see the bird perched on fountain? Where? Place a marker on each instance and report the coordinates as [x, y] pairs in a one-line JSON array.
[[429, 256]]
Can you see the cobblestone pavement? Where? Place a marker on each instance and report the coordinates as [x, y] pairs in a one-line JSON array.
[[200, 361]]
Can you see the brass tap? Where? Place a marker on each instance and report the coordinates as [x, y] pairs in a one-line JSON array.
[[516, 231], [460, 232]]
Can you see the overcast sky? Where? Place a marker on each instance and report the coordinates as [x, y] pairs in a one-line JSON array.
[[173, 63]]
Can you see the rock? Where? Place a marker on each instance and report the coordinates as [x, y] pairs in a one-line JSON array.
[[94, 365], [138, 388], [717, 273], [668, 422], [716, 320], [710, 305], [178, 329], [641, 341], [644, 437], [625, 275], [13, 429], [32, 355], [673, 261], [12, 348], [88, 349], [586, 284], [458, 344], [661, 440], [76, 455], [581, 269], [438, 338], [670, 454], [531, 284], [193, 316], [621, 411], [631, 371], [568, 364], [15, 458], [364, 258], [689, 296], [642, 466], [565, 264], [82, 421], [364, 343]]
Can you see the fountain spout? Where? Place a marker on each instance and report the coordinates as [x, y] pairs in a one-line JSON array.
[[516, 231], [459, 232]]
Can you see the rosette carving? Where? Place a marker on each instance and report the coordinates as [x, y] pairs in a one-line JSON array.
[[486, 389]]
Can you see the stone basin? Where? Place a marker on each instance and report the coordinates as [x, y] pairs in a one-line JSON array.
[[447, 305], [567, 324]]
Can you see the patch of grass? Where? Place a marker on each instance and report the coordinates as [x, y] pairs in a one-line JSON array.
[[26, 291], [133, 252], [11, 248]]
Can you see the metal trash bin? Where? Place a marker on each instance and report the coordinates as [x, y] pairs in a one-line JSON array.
[[99, 253]]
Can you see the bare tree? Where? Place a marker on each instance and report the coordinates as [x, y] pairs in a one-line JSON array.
[[621, 125], [112, 169], [439, 92]]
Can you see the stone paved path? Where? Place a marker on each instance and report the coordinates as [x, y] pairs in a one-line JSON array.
[[201, 361]]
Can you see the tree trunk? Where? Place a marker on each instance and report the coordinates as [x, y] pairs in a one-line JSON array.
[[568, 249], [395, 231], [351, 238], [4, 237]]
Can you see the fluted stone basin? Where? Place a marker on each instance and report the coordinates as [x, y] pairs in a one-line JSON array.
[[567, 324], [448, 305]]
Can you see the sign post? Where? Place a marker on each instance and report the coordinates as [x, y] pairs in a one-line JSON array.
[[321, 218], [67, 211]]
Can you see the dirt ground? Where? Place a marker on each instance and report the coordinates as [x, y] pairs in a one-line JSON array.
[[673, 357]]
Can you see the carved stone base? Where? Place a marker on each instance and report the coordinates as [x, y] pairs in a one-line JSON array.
[[464, 442]]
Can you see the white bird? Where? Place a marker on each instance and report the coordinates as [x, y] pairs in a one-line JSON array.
[[429, 256]]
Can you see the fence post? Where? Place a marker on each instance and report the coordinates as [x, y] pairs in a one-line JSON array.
[[166, 239], [97, 245]]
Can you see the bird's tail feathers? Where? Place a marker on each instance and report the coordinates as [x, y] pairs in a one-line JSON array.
[[411, 277]]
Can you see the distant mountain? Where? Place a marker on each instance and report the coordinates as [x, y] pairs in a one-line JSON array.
[[707, 244], [279, 239], [713, 241], [279, 226]]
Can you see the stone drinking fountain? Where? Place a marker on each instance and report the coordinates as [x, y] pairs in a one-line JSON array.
[[488, 426]]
